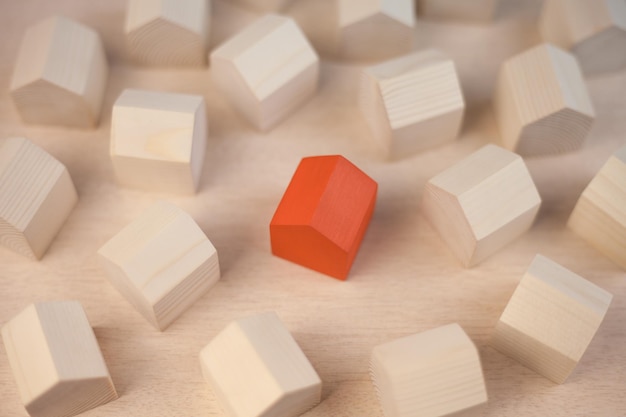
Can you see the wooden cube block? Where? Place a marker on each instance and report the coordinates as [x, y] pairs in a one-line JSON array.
[[256, 368], [265, 5], [60, 74], [158, 140], [600, 213], [161, 263], [56, 360], [267, 70], [478, 11], [595, 31], [481, 203], [36, 197], [413, 102], [433, 373], [550, 319], [323, 215], [168, 32], [541, 102]]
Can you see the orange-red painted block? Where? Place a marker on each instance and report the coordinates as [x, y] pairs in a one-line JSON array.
[[323, 215]]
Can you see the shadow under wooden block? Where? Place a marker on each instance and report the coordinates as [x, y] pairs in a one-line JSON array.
[[477, 11]]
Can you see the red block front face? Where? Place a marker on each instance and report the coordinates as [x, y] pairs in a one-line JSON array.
[[323, 215]]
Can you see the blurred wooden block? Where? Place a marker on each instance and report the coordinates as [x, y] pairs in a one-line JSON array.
[[161, 263], [256, 368], [481, 203], [266, 5], [267, 70], [36, 197], [60, 74], [158, 140], [541, 102], [550, 319], [480, 11], [600, 213], [434, 373], [323, 215], [168, 32], [56, 360], [594, 30], [413, 102]]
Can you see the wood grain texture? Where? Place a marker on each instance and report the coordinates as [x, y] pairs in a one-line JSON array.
[[477, 11]]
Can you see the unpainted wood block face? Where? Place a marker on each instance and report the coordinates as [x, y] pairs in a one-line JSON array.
[[481, 203], [36, 197], [435, 373], [541, 102], [476, 11], [550, 319], [412, 103], [161, 263], [265, 5], [600, 213], [60, 74], [158, 140], [594, 30], [257, 369], [168, 33], [56, 360], [323, 215]]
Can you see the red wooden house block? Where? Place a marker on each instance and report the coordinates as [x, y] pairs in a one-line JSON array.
[[323, 215]]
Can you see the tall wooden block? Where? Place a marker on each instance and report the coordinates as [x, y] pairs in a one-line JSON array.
[[60, 74], [594, 30], [161, 263], [323, 215], [481, 203], [267, 70], [541, 102], [435, 373], [550, 319], [36, 197], [265, 5], [158, 140], [475, 11], [413, 102], [168, 32], [256, 368], [56, 360], [600, 213]]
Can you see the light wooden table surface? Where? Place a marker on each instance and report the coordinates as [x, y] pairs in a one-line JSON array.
[[404, 279]]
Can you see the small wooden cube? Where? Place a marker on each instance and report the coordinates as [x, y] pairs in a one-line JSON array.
[[600, 213], [265, 5], [474, 11], [595, 31], [435, 373], [168, 32], [267, 70], [60, 74], [550, 319], [158, 140], [481, 203], [413, 102], [256, 368], [36, 197], [161, 263], [541, 102], [56, 360], [323, 215]]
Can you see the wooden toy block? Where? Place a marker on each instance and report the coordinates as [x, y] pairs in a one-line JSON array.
[[267, 70], [158, 140], [265, 5], [256, 368], [475, 11], [541, 102], [413, 102], [323, 215], [168, 32], [550, 319], [36, 197], [56, 360], [481, 203], [161, 263], [374, 30], [434, 373], [600, 213], [60, 74], [595, 31]]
